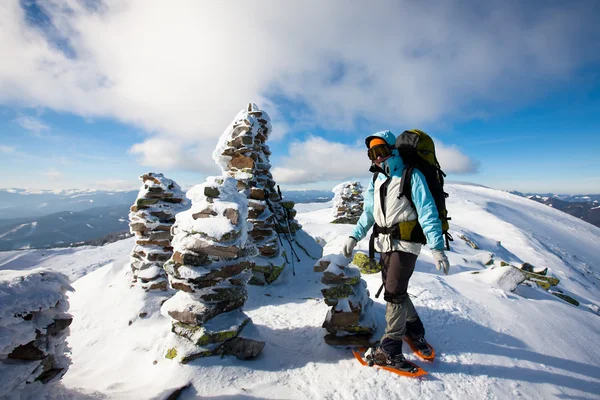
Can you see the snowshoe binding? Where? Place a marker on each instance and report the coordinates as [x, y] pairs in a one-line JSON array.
[[420, 347]]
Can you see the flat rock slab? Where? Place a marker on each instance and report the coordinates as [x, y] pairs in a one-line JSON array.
[[219, 329]]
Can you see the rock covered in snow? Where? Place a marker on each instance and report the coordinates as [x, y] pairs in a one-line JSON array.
[[210, 268], [151, 219], [242, 153], [505, 278], [350, 320], [33, 327], [348, 202]]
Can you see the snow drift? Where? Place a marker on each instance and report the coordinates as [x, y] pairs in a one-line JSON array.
[[490, 342]]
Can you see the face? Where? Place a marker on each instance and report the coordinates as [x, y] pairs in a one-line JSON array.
[[380, 159]]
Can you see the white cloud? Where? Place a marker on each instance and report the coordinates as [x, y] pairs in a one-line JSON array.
[[182, 70], [6, 149], [54, 174], [453, 161], [317, 159], [31, 124], [171, 153]]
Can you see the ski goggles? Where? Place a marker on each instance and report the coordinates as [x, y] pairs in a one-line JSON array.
[[380, 150]]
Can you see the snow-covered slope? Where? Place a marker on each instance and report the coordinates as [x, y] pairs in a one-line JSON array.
[[489, 343]]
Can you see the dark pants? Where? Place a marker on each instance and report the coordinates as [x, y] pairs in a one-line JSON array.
[[400, 314]]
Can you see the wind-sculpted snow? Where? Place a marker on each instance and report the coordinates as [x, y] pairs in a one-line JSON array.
[[33, 327], [490, 342]]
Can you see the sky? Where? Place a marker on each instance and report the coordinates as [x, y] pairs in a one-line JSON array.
[[95, 93]]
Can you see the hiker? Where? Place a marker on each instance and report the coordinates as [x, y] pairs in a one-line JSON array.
[[386, 209]]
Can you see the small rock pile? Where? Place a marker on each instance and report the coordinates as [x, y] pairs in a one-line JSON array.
[[150, 219], [347, 202], [34, 324], [243, 155], [350, 321], [210, 269]]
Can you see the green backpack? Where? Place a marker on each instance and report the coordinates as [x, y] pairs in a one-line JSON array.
[[418, 151]]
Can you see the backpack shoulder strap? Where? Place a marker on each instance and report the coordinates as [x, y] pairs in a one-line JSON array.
[[406, 186]]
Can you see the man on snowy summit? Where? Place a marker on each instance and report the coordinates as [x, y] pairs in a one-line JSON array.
[[389, 211]]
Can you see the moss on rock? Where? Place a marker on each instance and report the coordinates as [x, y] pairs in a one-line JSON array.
[[552, 281], [145, 203], [201, 336], [274, 273], [566, 298], [543, 284], [348, 280], [357, 329], [365, 264], [287, 204], [337, 292], [171, 353]]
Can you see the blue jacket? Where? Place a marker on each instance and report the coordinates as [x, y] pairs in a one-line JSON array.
[[423, 200]]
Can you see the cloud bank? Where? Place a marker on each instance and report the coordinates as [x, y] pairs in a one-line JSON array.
[[318, 159], [182, 70]]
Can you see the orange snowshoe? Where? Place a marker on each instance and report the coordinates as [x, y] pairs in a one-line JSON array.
[[413, 370], [415, 348]]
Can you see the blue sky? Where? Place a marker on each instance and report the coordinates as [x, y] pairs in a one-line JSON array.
[[94, 96]]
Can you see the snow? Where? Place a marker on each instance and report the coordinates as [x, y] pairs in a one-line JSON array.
[[73, 262], [39, 294], [219, 225], [490, 342], [32, 226], [505, 278], [242, 118]]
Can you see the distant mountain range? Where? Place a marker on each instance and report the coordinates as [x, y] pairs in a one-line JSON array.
[[308, 196], [577, 198], [585, 207], [64, 228], [21, 203], [47, 218]]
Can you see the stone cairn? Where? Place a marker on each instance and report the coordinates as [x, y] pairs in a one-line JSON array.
[[150, 219], [210, 269], [347, 203], [350, 321], [34, 325], [243, 155]]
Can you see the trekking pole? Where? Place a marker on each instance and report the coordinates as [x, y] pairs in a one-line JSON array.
[[287, 220], [270, 206]]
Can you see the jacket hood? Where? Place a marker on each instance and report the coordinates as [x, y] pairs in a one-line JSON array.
[[395, 163], [388, 136]]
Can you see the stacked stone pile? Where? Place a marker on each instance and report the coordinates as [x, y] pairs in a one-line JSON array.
[[150, 219], [243, 155], [210, 268], [350, 320], [34, 324], [347, 202]]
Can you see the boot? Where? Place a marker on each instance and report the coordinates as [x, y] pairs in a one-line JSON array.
[[397, 361]]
